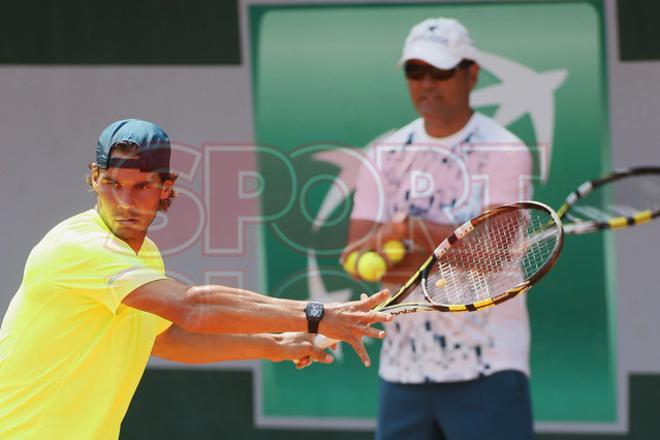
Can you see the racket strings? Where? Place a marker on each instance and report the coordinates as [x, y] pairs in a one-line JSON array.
[[499, 254]]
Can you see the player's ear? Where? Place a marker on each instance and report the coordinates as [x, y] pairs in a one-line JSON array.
[[168, 185], [166, 189], [94, 176]]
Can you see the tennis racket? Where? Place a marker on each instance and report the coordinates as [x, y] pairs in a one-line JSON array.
[[621, 199], [486, 261]]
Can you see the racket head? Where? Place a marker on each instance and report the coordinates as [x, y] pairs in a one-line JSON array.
[[623, 198], [486, 261]]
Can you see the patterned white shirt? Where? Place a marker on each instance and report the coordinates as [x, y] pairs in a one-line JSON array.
[[448, 180]]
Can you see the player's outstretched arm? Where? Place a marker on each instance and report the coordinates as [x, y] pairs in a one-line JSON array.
[[221, 309], [178, 345]]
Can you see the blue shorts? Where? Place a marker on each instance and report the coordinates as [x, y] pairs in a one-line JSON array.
[[492, 407]]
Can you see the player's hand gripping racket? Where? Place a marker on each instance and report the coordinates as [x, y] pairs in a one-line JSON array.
[[621, 199], [486, 261]]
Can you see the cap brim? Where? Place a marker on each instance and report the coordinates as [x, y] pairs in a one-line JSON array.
[[431, 56]]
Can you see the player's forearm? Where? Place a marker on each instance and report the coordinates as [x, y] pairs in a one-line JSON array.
[[180, 346], [220, 309]]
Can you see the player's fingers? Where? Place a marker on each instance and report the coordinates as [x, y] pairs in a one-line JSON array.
[[361, 351], [372, 301], [371, 317], [363, 296], [372, 332], [320, 355], [302, 363]]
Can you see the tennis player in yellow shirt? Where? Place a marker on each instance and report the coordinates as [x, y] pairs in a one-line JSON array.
[[95, 303]]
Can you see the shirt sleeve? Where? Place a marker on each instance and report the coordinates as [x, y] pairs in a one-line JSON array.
[[103, 270]]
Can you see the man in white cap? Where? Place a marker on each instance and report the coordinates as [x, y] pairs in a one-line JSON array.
[[445, 375]]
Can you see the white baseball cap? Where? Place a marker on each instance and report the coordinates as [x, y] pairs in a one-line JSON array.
[[441, 42]]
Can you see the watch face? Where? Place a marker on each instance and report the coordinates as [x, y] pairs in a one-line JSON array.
[[314, 310]]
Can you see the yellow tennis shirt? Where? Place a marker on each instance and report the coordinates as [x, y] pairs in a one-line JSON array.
[[71, 354]]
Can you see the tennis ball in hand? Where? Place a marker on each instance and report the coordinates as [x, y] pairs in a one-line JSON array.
[[371, 267], [350, 263], [394, 251]]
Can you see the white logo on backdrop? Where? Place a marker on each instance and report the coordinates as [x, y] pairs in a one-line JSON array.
[[522, 91]]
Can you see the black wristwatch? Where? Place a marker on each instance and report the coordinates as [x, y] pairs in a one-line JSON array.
[[314, 313]]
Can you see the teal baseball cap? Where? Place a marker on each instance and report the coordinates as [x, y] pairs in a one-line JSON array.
[[153, 146]]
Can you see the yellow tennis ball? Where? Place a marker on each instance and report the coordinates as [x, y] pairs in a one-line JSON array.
[[371, 267], [350, 263], [394, 251]]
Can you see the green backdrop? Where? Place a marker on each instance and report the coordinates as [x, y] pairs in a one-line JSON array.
[[325, 76]]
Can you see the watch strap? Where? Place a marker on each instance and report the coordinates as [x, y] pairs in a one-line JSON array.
[[314, 313]]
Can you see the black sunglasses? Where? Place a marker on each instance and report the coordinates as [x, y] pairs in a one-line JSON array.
[[416, 71]]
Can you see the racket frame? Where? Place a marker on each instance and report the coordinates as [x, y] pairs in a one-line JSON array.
[[579, 226], [392, 306], [421, 274]]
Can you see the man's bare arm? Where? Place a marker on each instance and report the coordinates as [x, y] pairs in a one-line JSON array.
[[221, 309], [424, 235], [366, 235], [178, 345]]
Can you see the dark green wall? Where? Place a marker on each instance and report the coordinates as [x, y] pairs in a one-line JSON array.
[[339, 86], [639, 30], [119, 32], [153, 32]]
